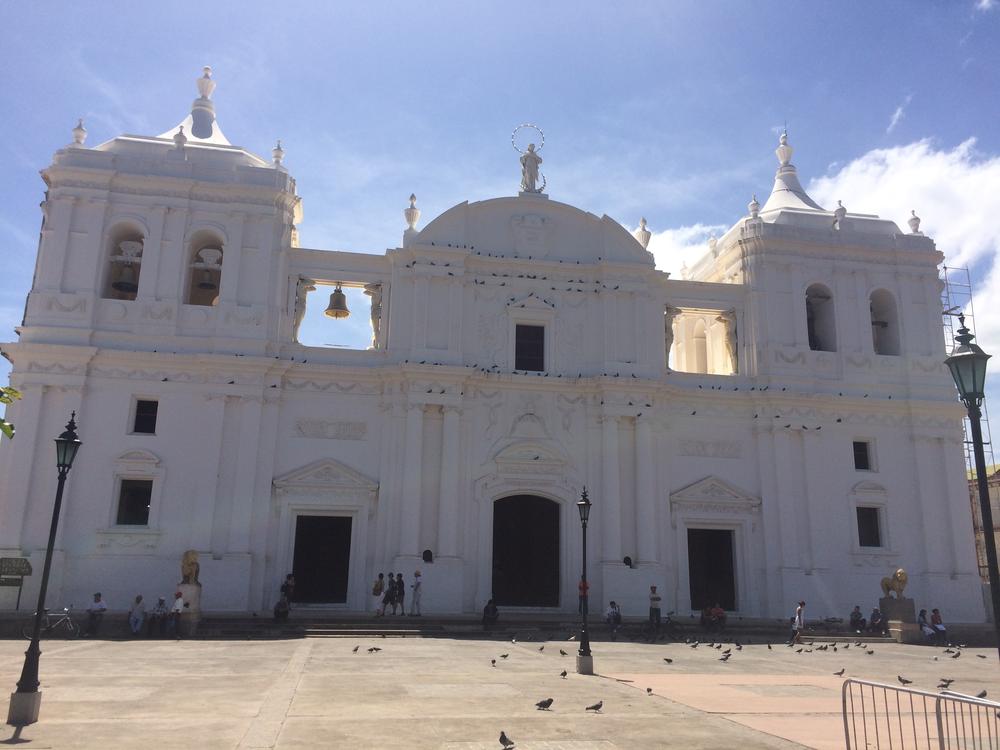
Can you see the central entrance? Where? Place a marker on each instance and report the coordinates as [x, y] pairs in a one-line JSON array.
[[710, 568], [322, 559], [526, 552]]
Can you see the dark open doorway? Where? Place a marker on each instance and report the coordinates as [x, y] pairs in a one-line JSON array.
[[710, 568], [322, 558], [526, 552]]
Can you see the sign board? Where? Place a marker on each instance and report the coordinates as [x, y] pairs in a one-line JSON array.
[[10, 581], [15, 566]]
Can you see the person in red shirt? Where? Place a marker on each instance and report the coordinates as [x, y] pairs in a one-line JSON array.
[[583, 587]]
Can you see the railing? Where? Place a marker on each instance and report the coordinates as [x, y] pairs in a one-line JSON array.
[[886, 716]]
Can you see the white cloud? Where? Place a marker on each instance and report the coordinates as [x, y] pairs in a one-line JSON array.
[[898, 114], [985, 5], [673, 248], [954, 191]]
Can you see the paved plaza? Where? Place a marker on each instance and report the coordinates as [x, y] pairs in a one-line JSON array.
[[444, 693]]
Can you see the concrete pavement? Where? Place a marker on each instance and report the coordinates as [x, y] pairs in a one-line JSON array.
[[444, 693]]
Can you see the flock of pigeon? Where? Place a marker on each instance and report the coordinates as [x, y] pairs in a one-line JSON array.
[[726, 654]]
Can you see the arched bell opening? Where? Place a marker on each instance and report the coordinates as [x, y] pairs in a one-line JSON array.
[[121, 279], [821, 324], [204, 269], [885, 322]]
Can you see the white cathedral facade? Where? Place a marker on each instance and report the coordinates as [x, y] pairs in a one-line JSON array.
[[776, 425]]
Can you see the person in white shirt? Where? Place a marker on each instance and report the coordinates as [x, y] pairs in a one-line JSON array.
[[415, 601], [176, 610], [95, 613], [798, 622], [137, 614], [158, 617]]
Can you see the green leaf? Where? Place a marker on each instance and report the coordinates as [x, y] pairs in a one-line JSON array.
[[6, 428]]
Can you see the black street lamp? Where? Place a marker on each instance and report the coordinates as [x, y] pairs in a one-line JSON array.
[[25, 702], [584, 661], [968, 367]]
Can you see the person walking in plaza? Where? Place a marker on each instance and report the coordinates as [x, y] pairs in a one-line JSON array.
[[798, 623], [417, 590], [378, 588], [582, 588], [95, 613], [654, 612], [389, 594], [400, 593], [136, 614], [613, 617]]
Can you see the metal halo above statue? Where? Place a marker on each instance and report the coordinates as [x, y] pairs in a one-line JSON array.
[[530, 161], [534, 127]]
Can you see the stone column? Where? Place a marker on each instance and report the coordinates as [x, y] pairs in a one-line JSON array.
[[409, 533], [448, 503], [611, 515], [251, 410], [232, 252], [646, 500], [54, 245], [148, 268]]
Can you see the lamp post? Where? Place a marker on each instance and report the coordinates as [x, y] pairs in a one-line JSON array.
[[25, 702], [968, 367], [584, 661]]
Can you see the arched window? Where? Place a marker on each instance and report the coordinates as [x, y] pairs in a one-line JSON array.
[[121, 279], [885, 322], [820, 321], [205, 272], [700, 342]]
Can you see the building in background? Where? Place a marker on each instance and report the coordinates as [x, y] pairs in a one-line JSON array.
[[775, 425]]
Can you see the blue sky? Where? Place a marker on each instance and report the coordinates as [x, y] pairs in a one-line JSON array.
[[665, 110]]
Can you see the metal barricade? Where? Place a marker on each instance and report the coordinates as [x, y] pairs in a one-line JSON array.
[[886, 716]]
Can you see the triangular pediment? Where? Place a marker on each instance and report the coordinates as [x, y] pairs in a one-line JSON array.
[[716, 491], [531, 302], [327, 473], [138, 456], [867, 487]]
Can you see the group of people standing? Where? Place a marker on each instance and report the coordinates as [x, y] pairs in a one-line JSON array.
[[391, 593]]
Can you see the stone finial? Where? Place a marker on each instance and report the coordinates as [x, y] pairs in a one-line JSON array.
[[412, 214], [713, 245], [277, 153], [642, 234], [784, 151], [205, 84], [180, 139], [838, 215], [79, 134], [754, 207], [914, 222]]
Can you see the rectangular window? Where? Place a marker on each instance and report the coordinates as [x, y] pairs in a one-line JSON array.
[[862, 455], [529, 348], [133, 502], [145, 417], [869, 530]]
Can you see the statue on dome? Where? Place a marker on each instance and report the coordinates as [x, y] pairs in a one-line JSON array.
[[529, 170], [669, 315], [375, 292]]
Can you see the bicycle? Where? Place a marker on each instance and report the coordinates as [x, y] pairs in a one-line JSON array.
[[52, 624]]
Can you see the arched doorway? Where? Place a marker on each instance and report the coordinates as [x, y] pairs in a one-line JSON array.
[[526, 551]]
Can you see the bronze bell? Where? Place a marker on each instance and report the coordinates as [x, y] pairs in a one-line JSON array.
[[338, 305], [126, 280], [207, 282]]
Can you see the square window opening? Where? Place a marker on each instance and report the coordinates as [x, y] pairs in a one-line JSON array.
[[529, 347], [862, 455], [133, 502], [145, 417], [869, 527]]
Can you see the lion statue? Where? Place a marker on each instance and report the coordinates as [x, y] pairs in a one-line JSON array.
[[896, 582], [190, 567]]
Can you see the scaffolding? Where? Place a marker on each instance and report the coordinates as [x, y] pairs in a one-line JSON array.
[[956, 299]]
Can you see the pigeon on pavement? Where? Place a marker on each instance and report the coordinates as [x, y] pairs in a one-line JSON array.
[[563, 674], [493, 662], [355, 649], [544, 705], [667, 660], [725, 657], [596, 707], [649, 691], [903, 680], [562, 653], [505, 741], [504, 656], [840, 673], [981, 694]]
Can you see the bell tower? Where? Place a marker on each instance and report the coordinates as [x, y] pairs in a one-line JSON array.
[[164, 241]]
